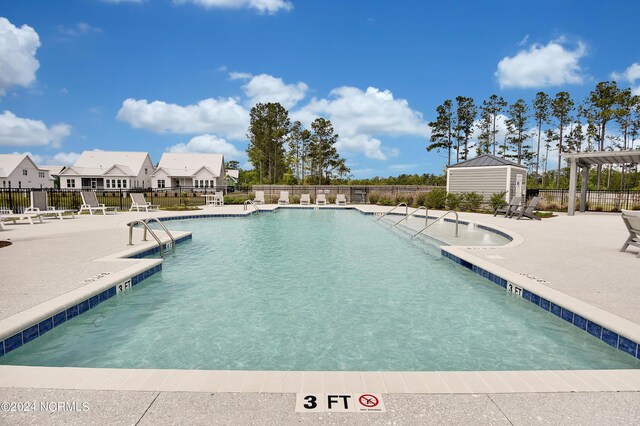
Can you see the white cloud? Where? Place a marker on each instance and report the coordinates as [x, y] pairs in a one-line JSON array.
[[371, 112], [18, 63], [208, 144], [266, 88], [16, 131], [358, 116], [630, 75], [63, 158], [77, 29], [263, 6], [220, 116], [542, 66]]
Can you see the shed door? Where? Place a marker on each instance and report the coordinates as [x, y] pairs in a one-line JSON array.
[[518, 185]]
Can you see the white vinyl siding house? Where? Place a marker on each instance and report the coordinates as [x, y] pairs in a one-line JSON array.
[[107, 170], [487, 175], [19, 171], [190, 170]]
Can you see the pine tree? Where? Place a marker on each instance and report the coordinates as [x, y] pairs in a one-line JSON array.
[[465, 117], [561, 108], [517, 128], [268, 129], [442, 130], [493, 107], [484, 137], [541, 113], [326, 163]]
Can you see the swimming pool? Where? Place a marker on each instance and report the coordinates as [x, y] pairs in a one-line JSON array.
[[315, 290]]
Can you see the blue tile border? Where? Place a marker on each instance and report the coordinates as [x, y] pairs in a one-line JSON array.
[[44, 325], [611, 338]]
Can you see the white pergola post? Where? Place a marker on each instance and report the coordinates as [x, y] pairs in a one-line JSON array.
[[583, 188], [571, 208]]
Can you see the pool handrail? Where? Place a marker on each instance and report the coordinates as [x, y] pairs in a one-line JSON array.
[[164, 228], [146, 227], [253, 204], [436, 221], [426, 216], [399, 205]]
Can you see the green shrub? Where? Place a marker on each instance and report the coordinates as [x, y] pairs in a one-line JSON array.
[[235, 198], [374, 197], [331, 198], [421, 199], [385, 200], [470, 201], [400, 198], [453, 201], [497, 201], [273, 198], [295, 199], [410, 200], [436, 198]]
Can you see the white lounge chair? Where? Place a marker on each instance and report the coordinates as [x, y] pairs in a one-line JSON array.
[[527, 211], [259, 198], [632, 221], [284, 197], [341, 200], [321, 200], [138, 202], [9, 215], [90, 203], [305, 199], [39, 204], [218, 199]]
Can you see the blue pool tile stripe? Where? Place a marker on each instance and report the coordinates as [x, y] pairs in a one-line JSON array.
[[32, 332], [611, 338]]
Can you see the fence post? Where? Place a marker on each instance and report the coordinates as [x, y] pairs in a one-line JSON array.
[[120, 199], [10, 198]]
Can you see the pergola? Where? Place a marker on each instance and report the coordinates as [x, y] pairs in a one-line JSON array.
[[586, 160]]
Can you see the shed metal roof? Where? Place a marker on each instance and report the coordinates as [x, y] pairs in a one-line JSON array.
[[487, 160]]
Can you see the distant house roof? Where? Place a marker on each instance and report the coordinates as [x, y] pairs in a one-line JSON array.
[[97, 163], [53, 170], [188, 164], [233, 174], [9, 162], [487, 160]]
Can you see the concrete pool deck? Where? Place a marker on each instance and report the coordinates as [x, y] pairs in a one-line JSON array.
[[577, 256]]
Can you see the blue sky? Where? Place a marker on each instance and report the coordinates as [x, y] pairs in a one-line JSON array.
[[181, 75]]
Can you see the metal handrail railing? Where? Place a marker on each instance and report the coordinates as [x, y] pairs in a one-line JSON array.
[[246, 203], [146, 227], [426, 216], [164, 228], [436, 221], [399, 205]]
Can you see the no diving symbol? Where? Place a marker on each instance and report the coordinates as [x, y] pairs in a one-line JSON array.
[[368, 400]]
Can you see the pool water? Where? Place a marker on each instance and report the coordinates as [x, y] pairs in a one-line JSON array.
[[315, 290]]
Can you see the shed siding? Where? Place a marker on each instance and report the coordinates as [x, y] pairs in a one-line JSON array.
[[486, 181]]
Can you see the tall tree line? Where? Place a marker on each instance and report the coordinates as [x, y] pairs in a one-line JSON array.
[[608, 119], [285, 152]]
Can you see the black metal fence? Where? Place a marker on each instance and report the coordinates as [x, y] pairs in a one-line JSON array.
[[597, 200], [18, 199], [355, 194]]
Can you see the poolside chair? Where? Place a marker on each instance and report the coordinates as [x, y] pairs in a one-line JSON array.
[[9, 215], [90, 203], [632, 221], [341, 200], [527, 211], [139, 202], [305, 199], [284, 197], [508, 210], [218, 199], [259, 198], [39, 204], [321, 200]]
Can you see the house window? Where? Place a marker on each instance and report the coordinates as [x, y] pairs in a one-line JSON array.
[[124, 183], [146, 171], [161, 183], [24, 172], [108, 183], [4, 183], [196, 183], [19, 184], [41, 174], [211, 183], [201, 184], [71, 183], [119, 183]]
